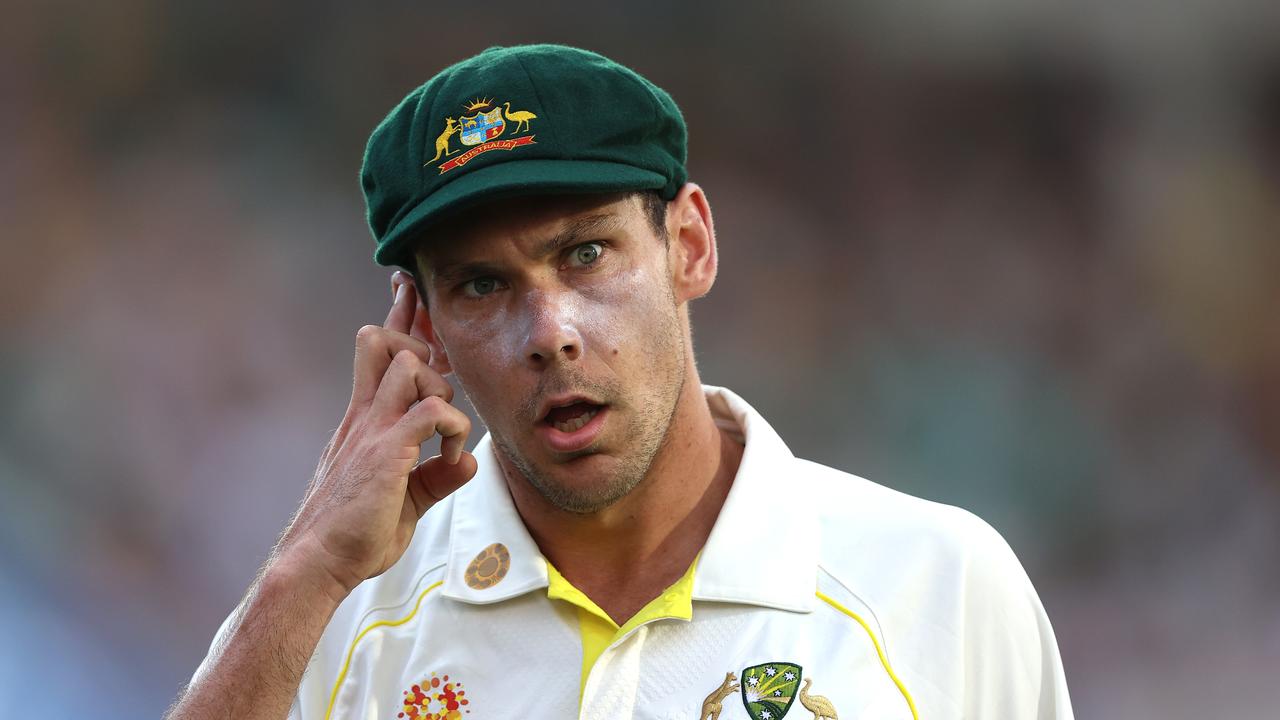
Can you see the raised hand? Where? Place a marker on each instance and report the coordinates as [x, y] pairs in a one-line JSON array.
[[369, 490]]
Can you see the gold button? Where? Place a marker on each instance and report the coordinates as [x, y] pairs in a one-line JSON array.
[[488, 567]]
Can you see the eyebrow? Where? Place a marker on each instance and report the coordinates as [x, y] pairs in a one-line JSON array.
[[574, 232]]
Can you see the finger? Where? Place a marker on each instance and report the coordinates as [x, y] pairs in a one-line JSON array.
[[375, 348], [433, 415], [434, 479], [405, 302], [452, 446], [396, 279], [407, 381]]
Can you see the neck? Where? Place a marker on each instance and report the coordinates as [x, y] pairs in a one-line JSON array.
[[625, 555]]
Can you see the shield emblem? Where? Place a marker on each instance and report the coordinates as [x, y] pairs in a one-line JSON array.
[[482, 127], [769, 689]]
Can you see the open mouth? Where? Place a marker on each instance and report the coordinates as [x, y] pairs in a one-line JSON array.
[[570, 418]]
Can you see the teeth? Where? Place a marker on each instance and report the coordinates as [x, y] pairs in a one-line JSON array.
[[576, 423]]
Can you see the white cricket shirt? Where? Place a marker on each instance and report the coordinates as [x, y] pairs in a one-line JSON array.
[[818, 595]]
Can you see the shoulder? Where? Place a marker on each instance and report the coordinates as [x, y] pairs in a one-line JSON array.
[[943, 587], [853, 511], [883, 545]]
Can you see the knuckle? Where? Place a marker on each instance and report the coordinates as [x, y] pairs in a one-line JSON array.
[[367, 334], [434, 404], [397, 370]]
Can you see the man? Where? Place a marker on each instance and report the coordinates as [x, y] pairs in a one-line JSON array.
[[625, 542]]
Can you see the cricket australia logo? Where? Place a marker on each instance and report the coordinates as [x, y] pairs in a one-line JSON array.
[[768, 690], [480, 132], [767, 693]]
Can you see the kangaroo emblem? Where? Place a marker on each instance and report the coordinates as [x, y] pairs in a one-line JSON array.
[[712, 706], [442, 143]]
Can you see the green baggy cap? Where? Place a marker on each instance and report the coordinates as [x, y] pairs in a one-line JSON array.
[[517, 121]]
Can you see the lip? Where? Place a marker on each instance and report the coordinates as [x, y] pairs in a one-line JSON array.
[[563, 401], [565, 442]]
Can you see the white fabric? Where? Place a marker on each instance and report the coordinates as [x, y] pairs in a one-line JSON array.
[[943, 594]]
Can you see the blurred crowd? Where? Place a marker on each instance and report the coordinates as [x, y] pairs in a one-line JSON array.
[[1019, 257]]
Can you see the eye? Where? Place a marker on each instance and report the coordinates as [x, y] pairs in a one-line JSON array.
[[479, 287], [586, 254]]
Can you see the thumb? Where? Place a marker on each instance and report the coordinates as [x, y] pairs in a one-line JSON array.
[[434, 479]]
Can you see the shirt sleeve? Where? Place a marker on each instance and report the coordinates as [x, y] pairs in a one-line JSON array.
[[1012, 665]]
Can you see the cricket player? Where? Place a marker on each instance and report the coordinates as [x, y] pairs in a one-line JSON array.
[[624, 541]]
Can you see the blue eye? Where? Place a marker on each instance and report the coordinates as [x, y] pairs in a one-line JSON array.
[[586, 253], [479, 287]]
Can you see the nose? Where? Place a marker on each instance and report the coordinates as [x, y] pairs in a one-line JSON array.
[[552, 329]]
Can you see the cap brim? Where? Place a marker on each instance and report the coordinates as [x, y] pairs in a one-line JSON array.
[[510, 179]]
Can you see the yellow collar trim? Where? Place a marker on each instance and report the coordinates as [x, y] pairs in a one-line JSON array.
[[599, 631]]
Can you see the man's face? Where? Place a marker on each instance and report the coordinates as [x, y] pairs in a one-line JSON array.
[[559, 319]]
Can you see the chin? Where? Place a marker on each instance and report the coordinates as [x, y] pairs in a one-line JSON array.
[[583, 501], [585, 484]]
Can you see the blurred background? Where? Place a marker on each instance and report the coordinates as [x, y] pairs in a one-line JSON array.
[[1021, 257]]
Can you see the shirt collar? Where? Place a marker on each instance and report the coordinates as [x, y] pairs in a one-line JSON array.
[[484, 514], [762, 549]]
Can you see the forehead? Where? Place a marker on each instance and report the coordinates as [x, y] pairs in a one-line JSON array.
[[524, 221]]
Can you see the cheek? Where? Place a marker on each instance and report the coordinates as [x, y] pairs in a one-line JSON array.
[[473, 347], [473, 339], [631, 312]]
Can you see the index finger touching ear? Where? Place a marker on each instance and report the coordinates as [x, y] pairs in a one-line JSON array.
[[400, 317]]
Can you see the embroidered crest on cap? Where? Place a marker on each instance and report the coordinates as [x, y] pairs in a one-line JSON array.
[[435, 699], [480, 132], [488, 567]]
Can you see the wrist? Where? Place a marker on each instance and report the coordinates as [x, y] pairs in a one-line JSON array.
[[296, 572]]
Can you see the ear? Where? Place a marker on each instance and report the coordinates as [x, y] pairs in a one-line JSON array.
[[423, 330], [691, 253]]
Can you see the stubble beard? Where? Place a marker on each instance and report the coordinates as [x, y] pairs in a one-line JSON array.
[[649, 433]]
